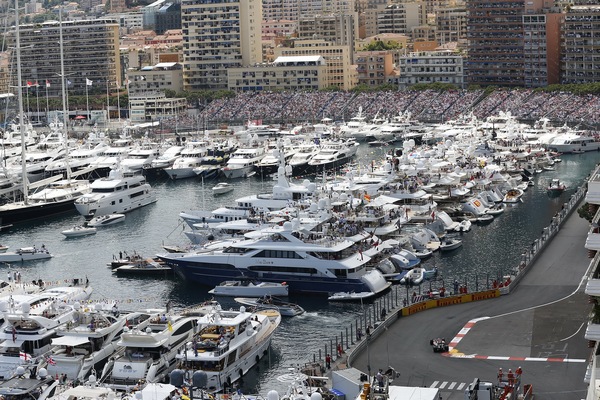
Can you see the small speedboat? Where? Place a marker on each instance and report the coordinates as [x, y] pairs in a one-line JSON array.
[[285, 309], [3, 248], [79, 230], [413, 277], [250, 288], [222, 188], [464, 226], [108, 219], [556, 187], [423, 253], [450, 244], [25, 254], [513, 196], [485, 218], [350, 296]]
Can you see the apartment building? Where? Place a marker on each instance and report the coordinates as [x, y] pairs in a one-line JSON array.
[[154, 107], [401, 17], [339, 70], [285, 73], [219, 35], [338, 28], [373, 67], [91, 53], [156, 78], [431, 67], [581, 54], [541, 54], [450, 24]]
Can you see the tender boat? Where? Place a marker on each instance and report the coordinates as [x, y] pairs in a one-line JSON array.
[[485, 218], [286, 309], [413, 277], [230, 342], [450, 244], [3, 248], [144, 267], [222, 188], [26, 254], [250, 288], [108, 219], [556, 187], [512, 196], [79, 230], [350, 296]]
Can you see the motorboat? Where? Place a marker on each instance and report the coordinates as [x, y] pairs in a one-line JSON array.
[[463, 226], [3, 248], [79, 230], [24, 386], [140, 157], [107, 219], [574, 142], [120, 192], [164, 160], [304, 153], [25, 254], [222, 188], [228, 344], [90, 390], [449, 244], [112, 155], [485, 218], [413, 277], [556, 187], [350, 296], [149, 350], [512, 196], [144, 267], [332, 154], [249, 288], [308, 262], [85, 344], [285, 308]]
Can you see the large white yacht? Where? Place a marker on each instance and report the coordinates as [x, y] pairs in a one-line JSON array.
[[140, 157], [574, 143], [191, 157], [332, 154], [308, 262], [111, 156], [121, 192], [304, 153], [149, 351], [31, 322], [242, 162], [228, 344], [86, 343]]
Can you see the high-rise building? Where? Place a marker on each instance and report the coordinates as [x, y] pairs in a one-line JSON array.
[[337, 28], [91, 54], [581, 55], [401, 17], [218, 35], [504, 45]]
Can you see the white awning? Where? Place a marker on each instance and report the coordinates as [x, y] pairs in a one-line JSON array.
[[157, 391], [69, 340]]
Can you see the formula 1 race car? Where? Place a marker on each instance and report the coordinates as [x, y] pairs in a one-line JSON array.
[[439, 345]]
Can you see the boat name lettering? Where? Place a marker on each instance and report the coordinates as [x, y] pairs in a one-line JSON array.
[[265, 262], [477, 203], [417, 308], [490, 294], [449, 301]]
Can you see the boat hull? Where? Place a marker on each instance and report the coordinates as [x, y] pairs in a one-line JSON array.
[[15, 215]]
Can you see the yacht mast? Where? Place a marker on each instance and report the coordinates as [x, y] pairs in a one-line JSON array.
[[20, 101], [64, 94]]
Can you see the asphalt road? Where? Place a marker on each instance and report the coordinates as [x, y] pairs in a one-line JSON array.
[[539, 325]]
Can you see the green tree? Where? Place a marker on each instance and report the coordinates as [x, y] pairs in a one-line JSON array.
[[379, 45]]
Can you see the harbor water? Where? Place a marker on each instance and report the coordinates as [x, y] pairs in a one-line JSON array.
[[487, 252]]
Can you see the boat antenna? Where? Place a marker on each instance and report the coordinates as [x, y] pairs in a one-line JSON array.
[[20, 100]]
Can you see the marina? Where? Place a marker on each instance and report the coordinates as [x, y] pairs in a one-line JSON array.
[[475, 263]]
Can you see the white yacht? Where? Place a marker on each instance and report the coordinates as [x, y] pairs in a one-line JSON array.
[[140, 157], [31, 323], [332, 154], [121, 192], [165, 160], [191, 157], [242, 162], [149, 351], [574, 143], [79, 159], [303, 154], [228, 344], [110, 157], [86, 343]]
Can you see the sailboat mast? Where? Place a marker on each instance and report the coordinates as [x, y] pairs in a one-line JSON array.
[[64, 93], [20, 101]]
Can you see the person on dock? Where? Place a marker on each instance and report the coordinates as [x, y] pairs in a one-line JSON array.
[[500, 375], [328, 361], [358, 334]]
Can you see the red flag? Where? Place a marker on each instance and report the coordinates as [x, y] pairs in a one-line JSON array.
[[24, 356], [29, 84]]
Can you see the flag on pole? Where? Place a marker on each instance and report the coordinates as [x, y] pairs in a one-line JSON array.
[[36, 84], [47, 83], [24, 356], [88, 82], [51, 361], [29, 84], [143, 78], [69, 82]]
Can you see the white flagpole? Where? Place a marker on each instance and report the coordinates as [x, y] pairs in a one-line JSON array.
[[108, 102], [37, 100], [47, 103], [87, 100]]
